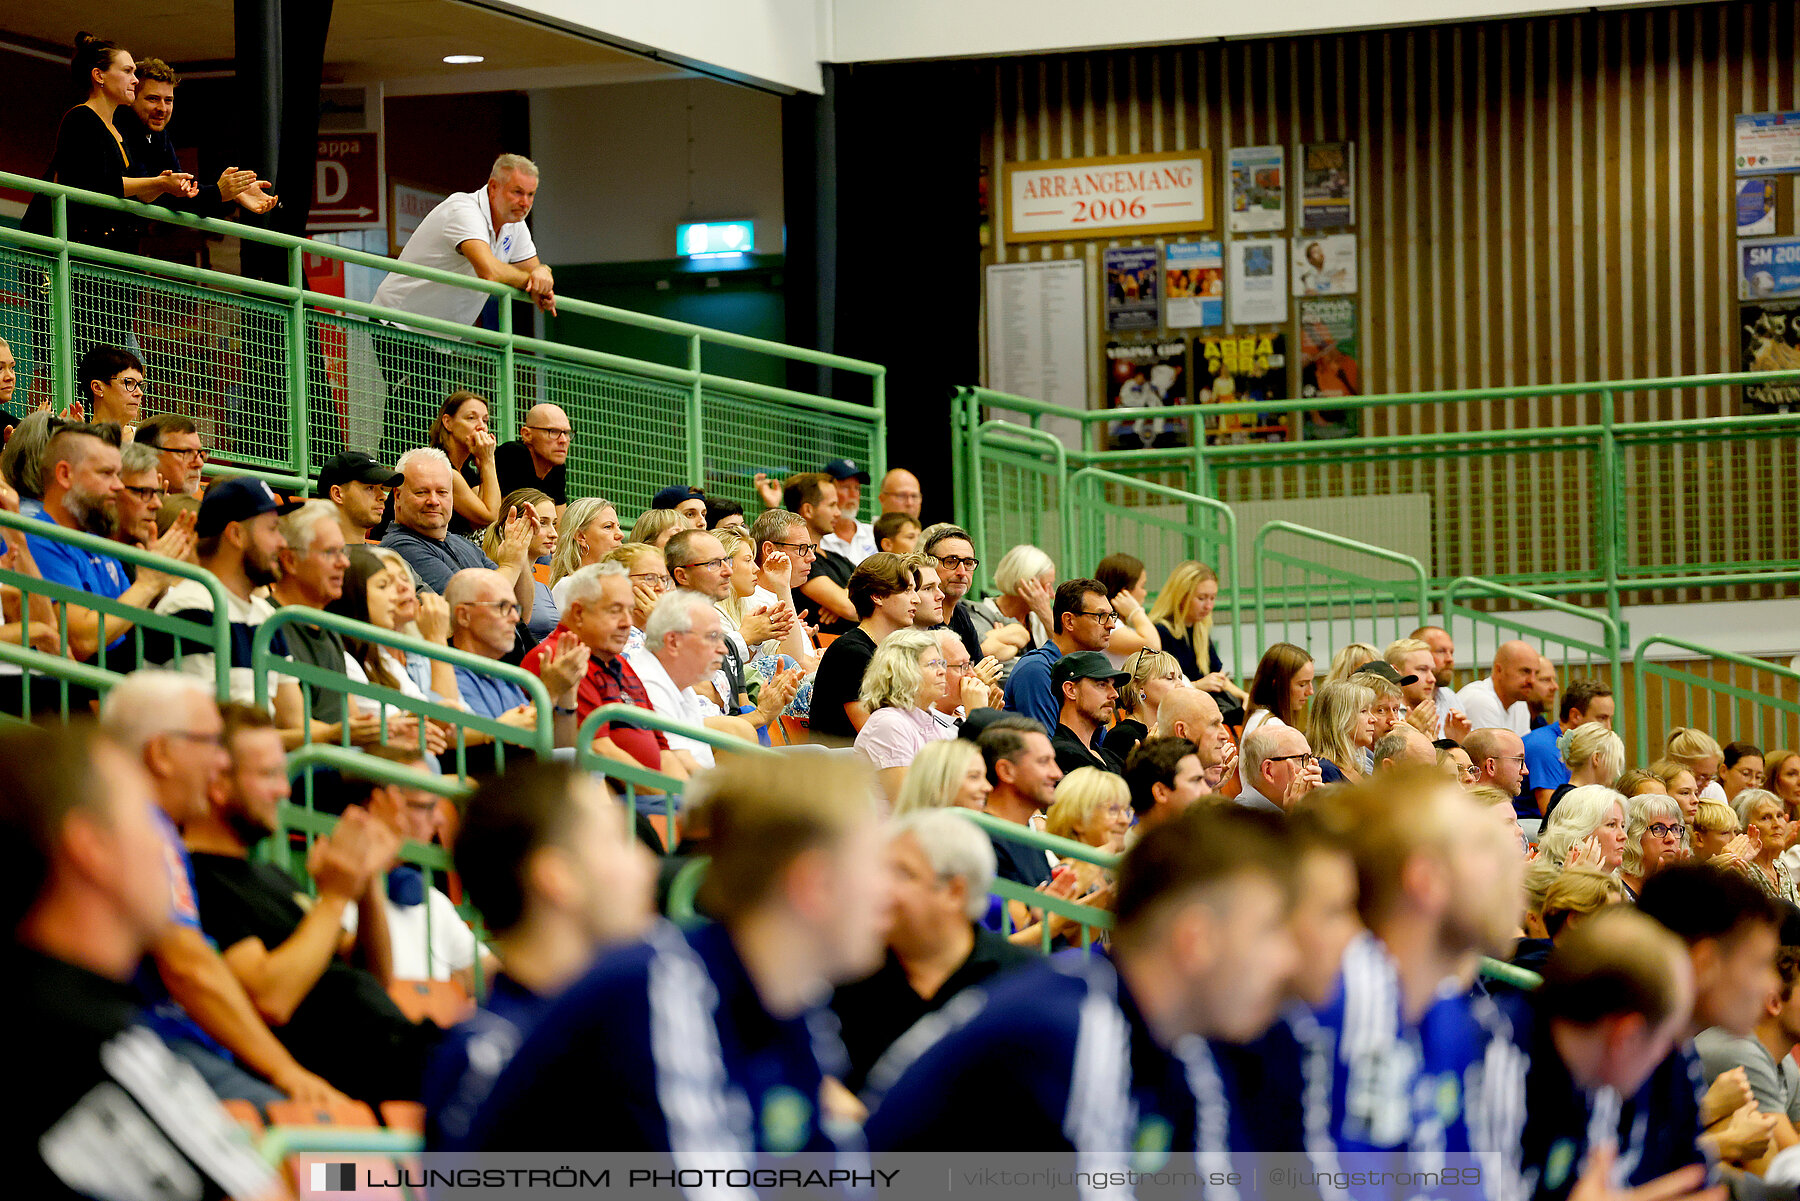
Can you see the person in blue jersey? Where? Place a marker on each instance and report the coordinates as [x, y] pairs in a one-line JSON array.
[[716, 1044], [1096, 1055], [1732, 931], [550, 860], [1617, 996]]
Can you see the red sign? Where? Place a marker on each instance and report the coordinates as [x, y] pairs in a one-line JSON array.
[[347, 183]]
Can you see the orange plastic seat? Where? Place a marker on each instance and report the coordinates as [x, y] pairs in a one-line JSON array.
[[442, 1002], [338, 1113], [403, 1115], [792, 731], [244, 1114]]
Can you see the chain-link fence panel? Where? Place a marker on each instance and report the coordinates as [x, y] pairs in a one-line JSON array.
[[631, 434], [741, 436], [25, 323]]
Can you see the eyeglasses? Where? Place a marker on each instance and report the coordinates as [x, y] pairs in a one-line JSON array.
[[1519, 759], [507, 608], [145, 494], [930, 663], [709, 636], [1108, 618], [129, 384], [1468, 772], [709, 564], [1663, 830], [185, 452], [558, 435], [805, 550], [660, 582], [958, 562], [1306, 760]]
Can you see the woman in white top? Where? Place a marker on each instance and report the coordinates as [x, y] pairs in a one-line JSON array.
[[905, 678], [588, 532]]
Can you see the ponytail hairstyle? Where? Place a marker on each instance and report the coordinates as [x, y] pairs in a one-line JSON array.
[[91, 54]]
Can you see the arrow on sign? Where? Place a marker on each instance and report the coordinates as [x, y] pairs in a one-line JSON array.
[[361, 212]]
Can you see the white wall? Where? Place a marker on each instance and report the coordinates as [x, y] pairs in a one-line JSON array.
[[773, 43], [616, 163], [876, 30]]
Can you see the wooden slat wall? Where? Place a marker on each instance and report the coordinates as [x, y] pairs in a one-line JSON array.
[[1538, 201]]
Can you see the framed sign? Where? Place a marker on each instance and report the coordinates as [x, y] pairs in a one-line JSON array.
[[1117, 196]]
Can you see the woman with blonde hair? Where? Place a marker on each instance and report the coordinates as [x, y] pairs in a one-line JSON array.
[[1153, 674], [946, 774], [1091, 807], [656, 526], [545, 612], [1593, 754], [903, 681], [649, 573], [1640, 781], [587, 533], [763, 660], [1701, 754], [1341, 727], [1654, 838], [1678, 780], [1761, 814], [1588, 829], [1348, 661], [1183, 618]]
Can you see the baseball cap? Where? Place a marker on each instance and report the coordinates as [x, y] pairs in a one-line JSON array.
[[353, 466], [846, 469], [237, 500], [1384, 669], [673, 495], [1086, 665]]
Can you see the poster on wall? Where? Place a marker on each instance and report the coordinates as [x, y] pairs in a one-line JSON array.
[[1257, 288], [1327, 185], [1246, 368], [1325, 265], [1037, 336], [1194, 284], [1329, 365], [1142, 377], [1766, 143], [1768, 268], [1755, 207], [1131, 287], [1121, 195], [1771, 342], [1258, 177]]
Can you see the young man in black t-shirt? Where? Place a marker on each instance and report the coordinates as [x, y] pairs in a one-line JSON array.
[[885, 595]]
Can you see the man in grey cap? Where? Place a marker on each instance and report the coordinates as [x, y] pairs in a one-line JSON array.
[[853, 539], [357, 486], [1088, 685]]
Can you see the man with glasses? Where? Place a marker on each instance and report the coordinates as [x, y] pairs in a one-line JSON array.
[[900, 493], [540, 457], [1279, 768], [483, 614], [824, 598], [1084, 621], [1499, 758], [955, 553], [141, 497], [180, 456], [684, 641]]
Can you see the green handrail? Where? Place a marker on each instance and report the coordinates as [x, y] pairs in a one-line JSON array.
[[1064, 848], [541, 738], [1058, 452], [279, 1142], [1611, 647], [215, 636], [1260, 554], [635, 776], [684, 888], [1644, 668]]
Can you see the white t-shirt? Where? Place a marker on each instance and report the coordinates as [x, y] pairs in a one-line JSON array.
[[1481, 706], [860, 546], [762, 598], [682, 704], [1445, 700], [452, 942], [462, 217]]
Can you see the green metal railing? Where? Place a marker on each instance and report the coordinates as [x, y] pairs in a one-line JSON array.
[[1588, 504], [1333, 598], [1604, 650], [1033, 504], [61, 674], [1715, 701], [282, 376], [1090, 917], [632, 776], [265, 664]]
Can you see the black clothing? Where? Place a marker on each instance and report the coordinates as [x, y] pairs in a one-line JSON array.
[[347, 1029], [838, 570], [876, 1011], [151, 153], [1123, 738], [87, 156], [1556, 794], [1072, 753], [1017, 862], [964, 625], [838, 682], [1187, 654], [512, 464]]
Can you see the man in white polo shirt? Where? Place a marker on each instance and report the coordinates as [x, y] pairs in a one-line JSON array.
[[481, 235], [684, 643]]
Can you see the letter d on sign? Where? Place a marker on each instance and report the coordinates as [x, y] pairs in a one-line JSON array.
[[333, 183]]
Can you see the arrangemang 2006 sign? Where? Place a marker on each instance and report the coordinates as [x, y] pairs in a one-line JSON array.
[[1116, 196]]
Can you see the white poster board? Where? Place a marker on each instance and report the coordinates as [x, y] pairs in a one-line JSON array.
[[1037, 335], [1256, 288]]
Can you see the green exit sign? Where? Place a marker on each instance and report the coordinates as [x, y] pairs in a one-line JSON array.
[[714, 239]]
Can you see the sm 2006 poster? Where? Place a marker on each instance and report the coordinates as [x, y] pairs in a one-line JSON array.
[[1246, 368], [1771, 342], [1142, 377]]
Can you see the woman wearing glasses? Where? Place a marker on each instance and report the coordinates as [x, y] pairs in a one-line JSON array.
[[1154, 674], [1655, 837], [1593, 754], [650, 578], [545, 612], [1453, 759], [905, 678]]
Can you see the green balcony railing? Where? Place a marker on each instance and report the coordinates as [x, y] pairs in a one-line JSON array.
[[1347, 591], [281, 375], [1732, 696], [633, 777]]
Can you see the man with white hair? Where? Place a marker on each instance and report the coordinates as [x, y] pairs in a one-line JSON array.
[[421, 531], [684, 642], [1279, 768], [169, 723], [1403, 746], [941, 866]]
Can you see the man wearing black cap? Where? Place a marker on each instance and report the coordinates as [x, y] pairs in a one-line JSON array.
[[688, 501], [357, 486], [1088, 685], [853, 539], [240, 542]]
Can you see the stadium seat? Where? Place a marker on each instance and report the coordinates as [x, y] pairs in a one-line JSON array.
[[403, 1115], [341, 1113], [442, 1002]]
